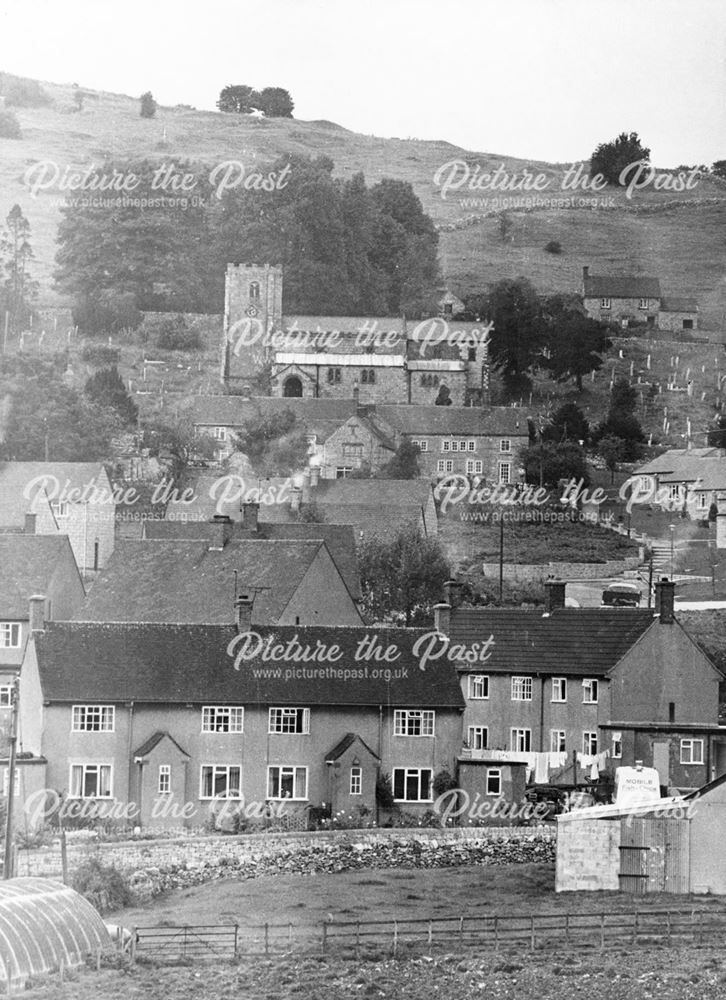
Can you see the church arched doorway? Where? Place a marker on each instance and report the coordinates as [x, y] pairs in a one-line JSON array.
[[292, 387]]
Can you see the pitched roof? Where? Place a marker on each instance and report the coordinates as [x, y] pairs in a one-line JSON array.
[[578, 641], [621, 286], [184, 581], [27, 566], [179, 664], [373, 506], [678, 303], [682, 465], [339, 538], [153, 741], [348, 740], [477, 420], [15, 477], [318, 416]]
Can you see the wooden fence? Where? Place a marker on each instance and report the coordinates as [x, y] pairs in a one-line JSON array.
[[494, 931]]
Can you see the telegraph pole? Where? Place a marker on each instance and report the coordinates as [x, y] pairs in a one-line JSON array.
[[8, 861]]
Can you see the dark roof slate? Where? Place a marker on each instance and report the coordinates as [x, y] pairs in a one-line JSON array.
[[27, 566], [621, 286]]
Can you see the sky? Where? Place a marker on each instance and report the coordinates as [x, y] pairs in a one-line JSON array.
[[538, 79]]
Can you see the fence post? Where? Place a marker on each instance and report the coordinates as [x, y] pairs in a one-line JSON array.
[[395, 937], [134, 939], [236, 939], [324, 942], [357, 940], [668, 924], [531, 932], [602, 932], [635, 928], [496, 933], [461, 931], [431, 936], [267, 939]]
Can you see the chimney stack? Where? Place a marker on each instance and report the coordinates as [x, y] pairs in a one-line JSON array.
[[452, 593], [585, 273], [442, 618], [250, 515], [37, 613], [243, 612], [30, 523], [555, 590], [314, 475], [221, 532], [306, 486], [295, 494], [665, 596]]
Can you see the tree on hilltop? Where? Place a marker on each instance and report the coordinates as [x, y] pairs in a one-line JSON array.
[[238, 99], [611, 158]]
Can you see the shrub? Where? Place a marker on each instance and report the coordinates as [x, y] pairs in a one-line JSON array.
[[554, 246], [174, 334], [104, 886], [384, 791], [108, 312], [22, 93], [100, 355], [9, 126], [148, 105]]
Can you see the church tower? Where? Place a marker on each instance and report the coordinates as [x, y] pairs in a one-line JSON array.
[[253, 307]]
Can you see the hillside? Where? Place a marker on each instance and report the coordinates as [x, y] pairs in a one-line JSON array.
[[677, 237]]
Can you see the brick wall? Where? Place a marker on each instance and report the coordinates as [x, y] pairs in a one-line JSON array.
[[588, 855]]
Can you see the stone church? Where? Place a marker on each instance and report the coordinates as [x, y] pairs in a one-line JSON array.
[[374, 359]]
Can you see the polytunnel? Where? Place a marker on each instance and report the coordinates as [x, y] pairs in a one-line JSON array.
[[43, 925]]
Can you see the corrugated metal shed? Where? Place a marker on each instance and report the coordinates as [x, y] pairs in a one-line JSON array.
[[43, 924]]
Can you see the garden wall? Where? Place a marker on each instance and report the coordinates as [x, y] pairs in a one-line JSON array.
[[514, 572], [154, 866]]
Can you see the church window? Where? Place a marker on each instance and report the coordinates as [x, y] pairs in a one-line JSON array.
[[334, 376], [255, 290]]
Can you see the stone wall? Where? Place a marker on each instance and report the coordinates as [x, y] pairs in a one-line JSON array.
[[564, 571], [155, 866]]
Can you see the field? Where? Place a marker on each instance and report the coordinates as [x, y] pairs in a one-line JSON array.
[[615, 974]]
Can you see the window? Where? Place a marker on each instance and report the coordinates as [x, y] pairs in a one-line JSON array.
[[93, 719], [478, 738], [6, 782], [505, 445], [675, 491], [9, 635], [691, 751], [494, 781], [521, 689], [334, 375], [604, 303], [220, 433], [471, 445], [643, 304], [412, 722], [219, 455], [589, 742], [412, 784], [289, 720], [559, 689], [429, 380], [421, 443], [254, 290], [444, 465], [285, 781], [474, 467], [90, 781], [478, 686], [352, 450], [589, 691], [6, 695], [164, 786], [446, 445], [356, 776], [521, 740], [617, 745], [505, 472], [557, 741], [222, 719], [59, 508], [368, 376], [220, 781], [687, 324], [701, 501], [343, 471]]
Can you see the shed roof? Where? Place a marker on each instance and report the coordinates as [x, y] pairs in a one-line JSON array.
[[44, 924]]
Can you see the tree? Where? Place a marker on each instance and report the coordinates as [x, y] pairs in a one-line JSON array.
[[238, 99], [623, 398], [718, 168], [148, 105], [611, 158], [716, 437], [404, 464], [106, 388], [180, 443], [546, 463], [275, 102], [612, 449], [402, 577], [517, 338], [621, 421], [18, 290], [275, 444], [568, 424], [106, 312], [576, 342]]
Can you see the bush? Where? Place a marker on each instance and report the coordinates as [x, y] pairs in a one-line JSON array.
[[100, 355], [174, 334], [21, 93], [9, 126], [148, 105], [104, 886], [554, 246], [384, 791], [109, 312]]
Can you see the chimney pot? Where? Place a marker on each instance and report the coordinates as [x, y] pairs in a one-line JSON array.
[[243, 612], [665, 596], [37, 613], [221, 532], [295, 494], [452, 593], [30, 523], [250, 515], [555, 591], [442, 618]]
